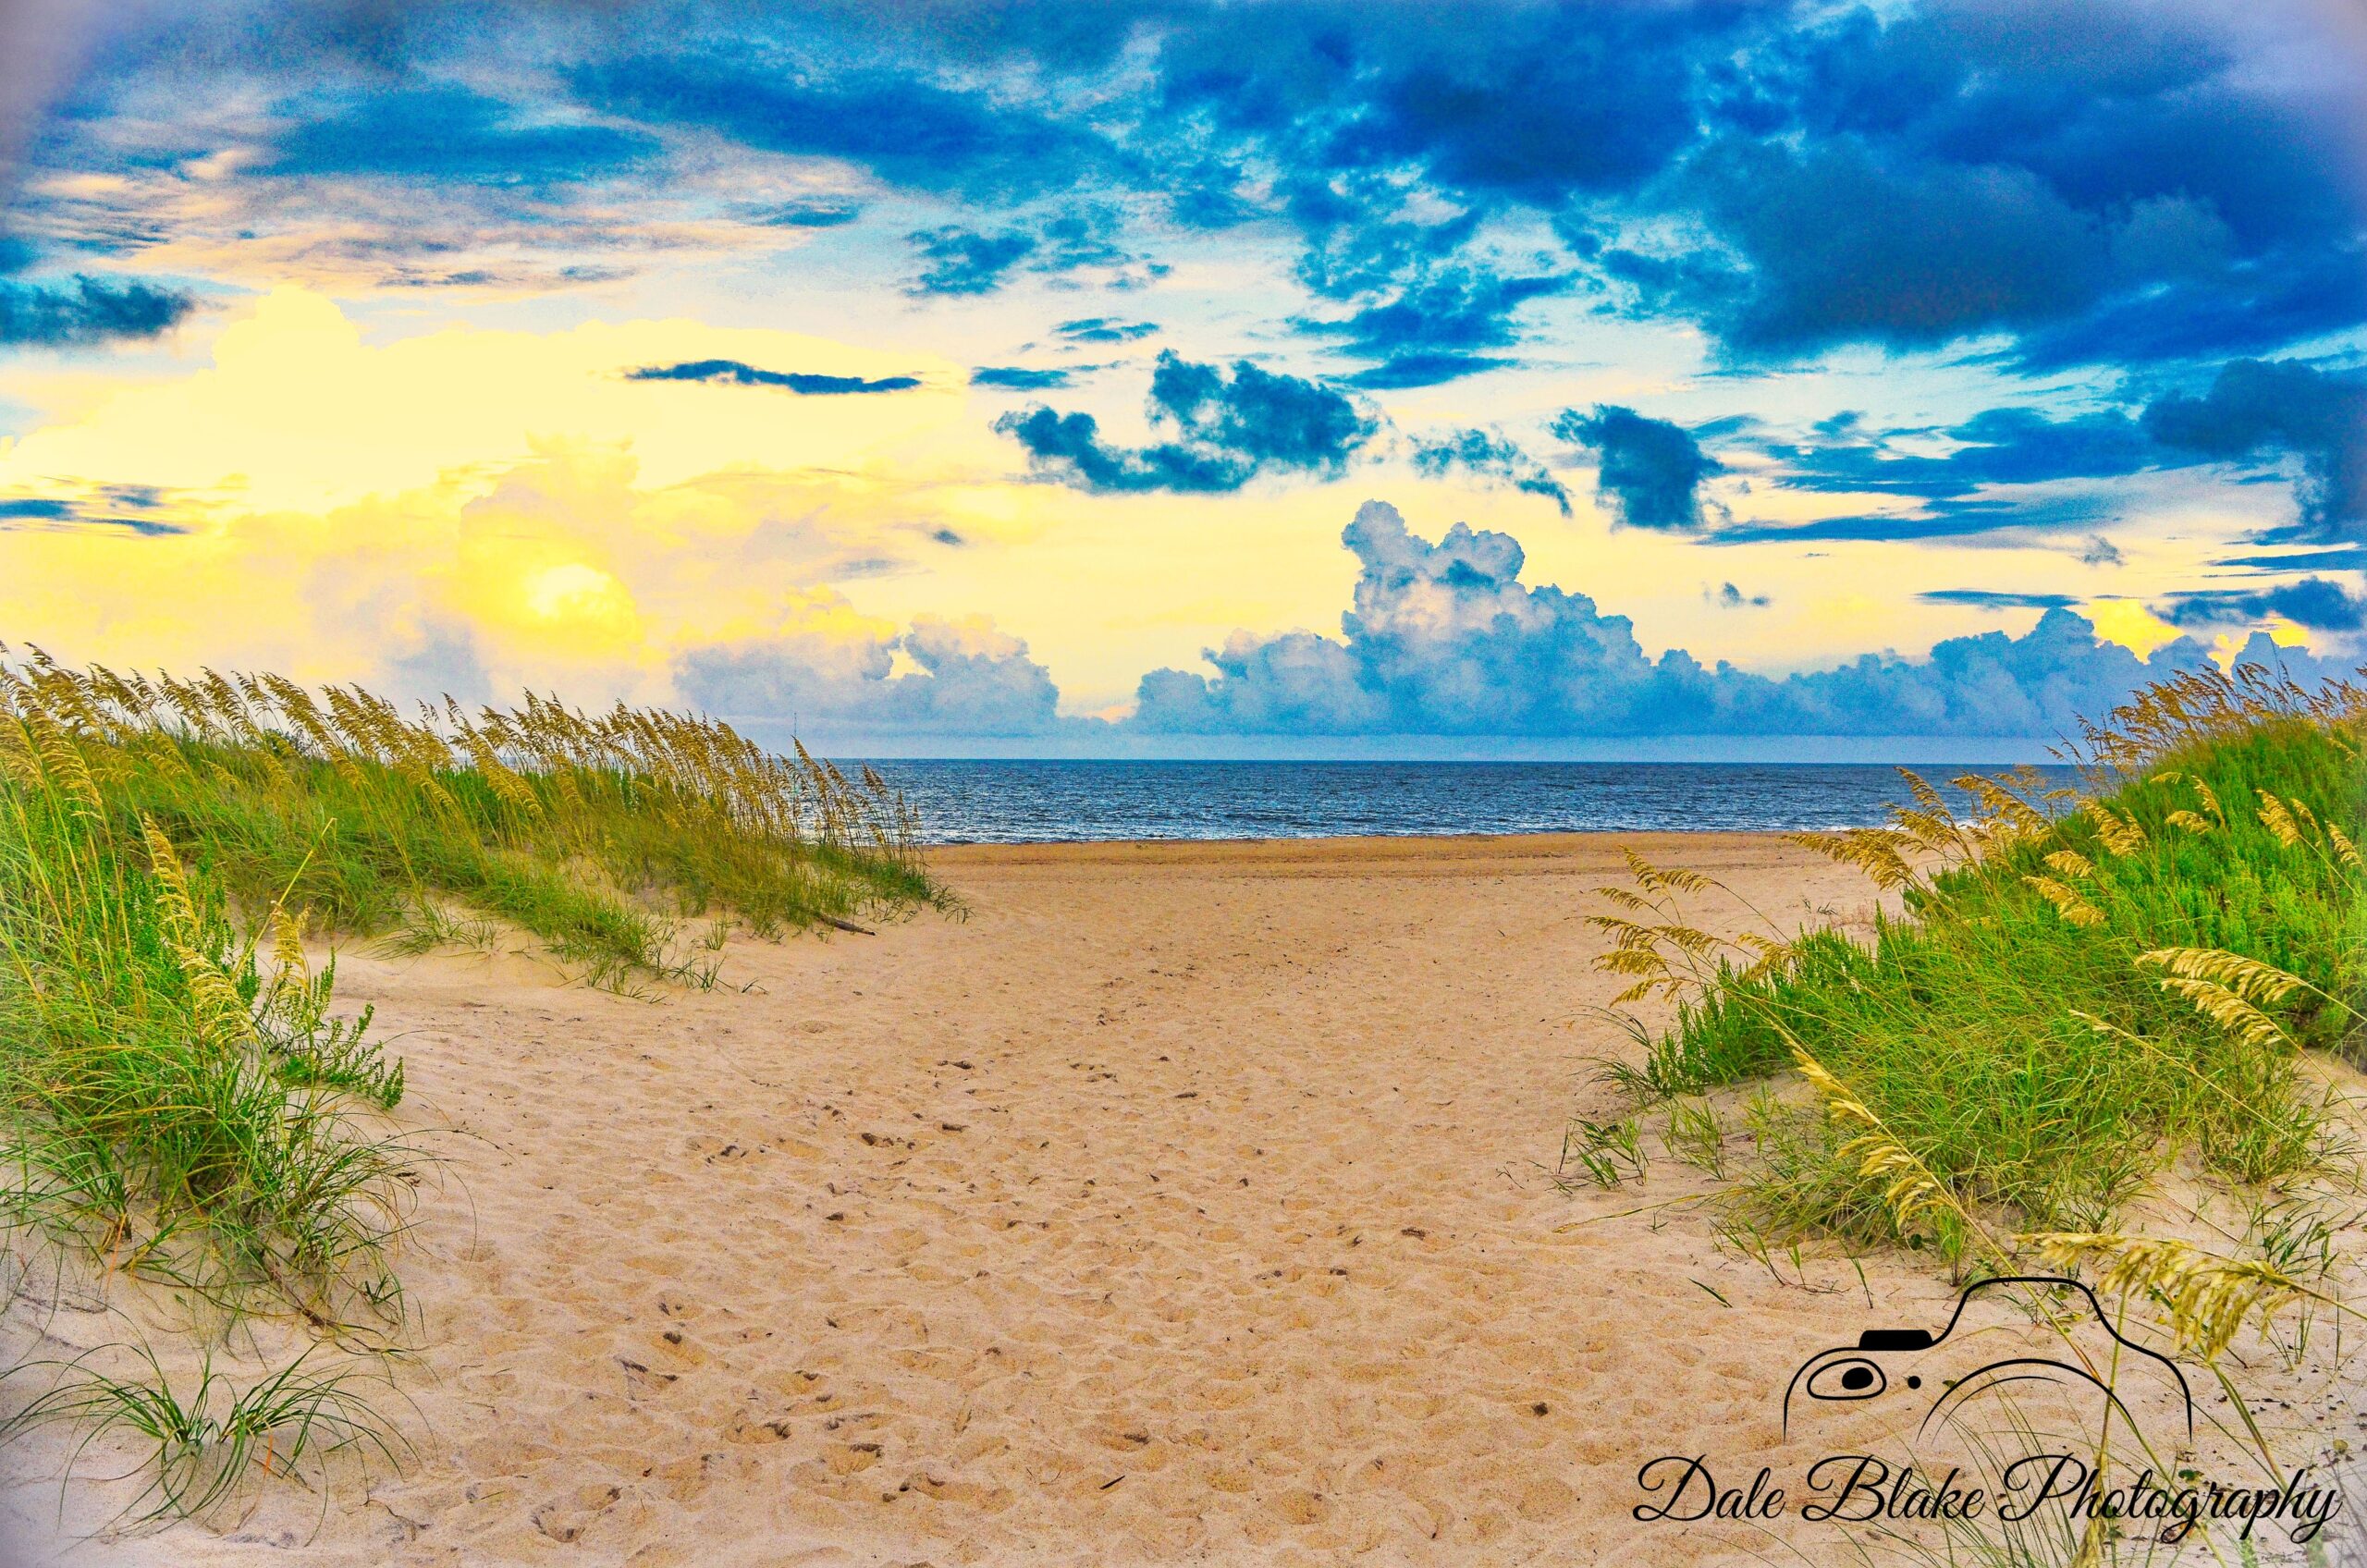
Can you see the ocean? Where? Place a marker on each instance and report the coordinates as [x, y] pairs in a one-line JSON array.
[[1004, 801]]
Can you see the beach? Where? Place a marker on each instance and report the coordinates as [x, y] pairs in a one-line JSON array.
[[1177, 1203]]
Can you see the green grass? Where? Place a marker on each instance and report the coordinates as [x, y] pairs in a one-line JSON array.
[[177, 1102], [2003, 1039]]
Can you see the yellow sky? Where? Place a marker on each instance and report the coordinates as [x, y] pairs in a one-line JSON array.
[[350, 503]]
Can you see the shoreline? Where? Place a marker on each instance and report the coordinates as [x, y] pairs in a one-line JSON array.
[[1346, 847]]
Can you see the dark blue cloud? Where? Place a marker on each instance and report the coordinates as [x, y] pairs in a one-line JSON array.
[[966, 260], [1228, 431], [2339, 558], [1423, 370], [1651, 470], [1729, 597], [449, 134], [807, 214], [1426, 332], [1445, 640], [733, 372], [2317, 603], [1018, 378], [1935, 520], [960, 260], [1490, 457], [1997, 446], [907, 129], [2255, 409], [1989, 599], [87, 311], [2252, 412], [2102, 182], [133, 507], [1105, 329], [2066, 181]]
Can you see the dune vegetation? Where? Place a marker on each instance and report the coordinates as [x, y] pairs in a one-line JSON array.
[[2083, 984], [2097, 1043], [180, 1104]]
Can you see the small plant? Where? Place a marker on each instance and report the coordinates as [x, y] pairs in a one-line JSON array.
[[1696, 1137], [1599, 1149], [203, 1445]]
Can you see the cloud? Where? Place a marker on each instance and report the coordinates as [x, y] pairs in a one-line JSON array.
[[733, 372], [452, 135], [2007, 446], [88, 311], [1651, 470], [1445, 640], [136, 508], [1729, 597], [1018, 378], [1426, 333], [1937, 519], [2318, 602], [908, 130], [2101, 551], [1987, 599], [2256, 409], [1489, 457], [819, 675], [1228, 431], [807, 214], [1105, 329], [964, 261], [2066, 182], [2092, 183], [959, 260]]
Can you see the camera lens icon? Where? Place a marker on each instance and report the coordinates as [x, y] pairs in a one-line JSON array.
[[1855, 1377]]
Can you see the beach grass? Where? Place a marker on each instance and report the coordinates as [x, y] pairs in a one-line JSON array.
[[179, 1102], [2083, 985]]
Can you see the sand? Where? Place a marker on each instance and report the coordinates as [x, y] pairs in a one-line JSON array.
[[1181, 1204]]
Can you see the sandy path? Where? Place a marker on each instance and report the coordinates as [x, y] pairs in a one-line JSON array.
[[1183, 1203]]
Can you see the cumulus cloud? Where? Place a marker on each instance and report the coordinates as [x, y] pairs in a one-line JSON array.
[[1490, 457], [1651, 470], [820, 674], [1228, 431], [88, 311], [1444, 639], [733, 373]]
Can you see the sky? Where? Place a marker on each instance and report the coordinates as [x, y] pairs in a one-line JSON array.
[[1110, 377]]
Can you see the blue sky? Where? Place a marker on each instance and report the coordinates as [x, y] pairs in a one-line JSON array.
[[1675, 378]]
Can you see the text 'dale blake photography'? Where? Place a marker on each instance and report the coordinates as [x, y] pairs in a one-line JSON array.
[[1218, 783]]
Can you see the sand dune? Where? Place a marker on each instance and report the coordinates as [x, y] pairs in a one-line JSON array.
[[1183, 1203]]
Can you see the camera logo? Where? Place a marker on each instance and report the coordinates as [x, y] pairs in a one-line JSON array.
[[1886, 1363]]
